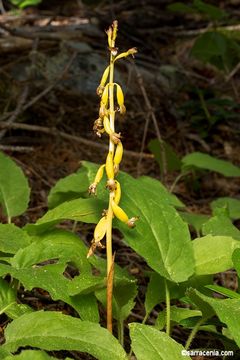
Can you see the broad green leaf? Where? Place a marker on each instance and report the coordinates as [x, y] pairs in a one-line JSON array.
[[149, 343], [85, 210], [197, 299], [12, 238], [220, 224], [181, 7], [156, 292], [172, 160], [30, 355], [177, 315], [232, 205], [211, 47], [62, 333], [213, 254], [228, 311], [51, 278], [8, 302], [68, 188], [160, 237], [156, 187], [55, 244], [207, 162], [224, 291], [14, 189], [195, 220], [213, 12], [86, 283]]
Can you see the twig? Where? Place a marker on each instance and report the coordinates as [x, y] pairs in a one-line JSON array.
[[54, 36], [153, 116], [16, 148], [79, 139], [143, 143], [233, 72], [17, 111]]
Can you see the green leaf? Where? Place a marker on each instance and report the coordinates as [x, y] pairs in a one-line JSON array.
[[228, 311], [8, 302], [181, 7], [85, 210], [172, 160], [51, 278], [177, 315], [211, 47], [69, 188], [55, 244], [14, 189], [232, 205], [220, 224], [161, 236], [62, 333], [156, 289], [204, 161], [149, 343], [213, 254], [31, 355], [155, 292], [156, 187], [86, 283], [224, 291], [195, 220], [213, 12], [199, 301], [12, 238]]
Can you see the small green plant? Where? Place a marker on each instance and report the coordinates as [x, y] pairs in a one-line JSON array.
[[39, 255], [21, 4]]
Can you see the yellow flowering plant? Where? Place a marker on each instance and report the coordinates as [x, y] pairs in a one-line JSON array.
[[112, 101]]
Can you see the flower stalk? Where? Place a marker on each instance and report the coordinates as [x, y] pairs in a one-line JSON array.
[[110, 93]]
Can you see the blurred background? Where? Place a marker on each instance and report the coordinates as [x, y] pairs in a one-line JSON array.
[[181, 89]]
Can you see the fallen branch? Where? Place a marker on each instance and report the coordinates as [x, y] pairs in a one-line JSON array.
[[56, 132]]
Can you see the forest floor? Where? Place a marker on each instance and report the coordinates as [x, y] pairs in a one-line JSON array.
[[48, 105]]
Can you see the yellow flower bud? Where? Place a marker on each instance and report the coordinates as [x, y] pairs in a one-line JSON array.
[[119, 212], [120, 96], [102, 111], [117, 195], [109, 33], [104, 77], [118, 153], [131, 51], [115, 29], [99, 174], [109, 166], [122, 109], [106, 124], [104, 98], [100, 229]]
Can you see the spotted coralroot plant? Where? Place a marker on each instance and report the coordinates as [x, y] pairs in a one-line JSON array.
[[112, 101]]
